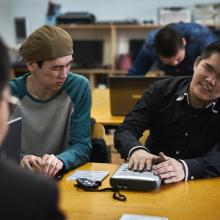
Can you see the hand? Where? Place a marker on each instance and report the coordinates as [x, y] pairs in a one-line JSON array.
[[31, 162], [170, 170], [140, 160], [50, 165]]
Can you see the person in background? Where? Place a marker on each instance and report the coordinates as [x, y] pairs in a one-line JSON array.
[[183, 117], [24, 195], [172, 49], [55, 104]]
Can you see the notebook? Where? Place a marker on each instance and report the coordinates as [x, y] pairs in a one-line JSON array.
[[125, 91], [11, 146]]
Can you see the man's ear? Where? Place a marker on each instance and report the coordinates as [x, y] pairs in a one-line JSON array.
[[198, 59], [31, 65], [184, 41]]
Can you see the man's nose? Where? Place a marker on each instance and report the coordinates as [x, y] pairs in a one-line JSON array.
[[174, 62], [212, 80], [63, 72]]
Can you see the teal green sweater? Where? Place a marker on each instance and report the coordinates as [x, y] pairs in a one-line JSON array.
[[59, 125]]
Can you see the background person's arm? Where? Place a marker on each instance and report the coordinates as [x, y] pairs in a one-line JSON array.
[[145, 58], [142, 63]]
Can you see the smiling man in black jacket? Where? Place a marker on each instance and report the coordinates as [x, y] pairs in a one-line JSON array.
[[183, 116]]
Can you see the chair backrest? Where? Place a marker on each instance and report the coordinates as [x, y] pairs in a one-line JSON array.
[[144, 137], [100, 152], [98, 131]]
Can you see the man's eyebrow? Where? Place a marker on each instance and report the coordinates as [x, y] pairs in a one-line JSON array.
[[58, 66], [210, 66]]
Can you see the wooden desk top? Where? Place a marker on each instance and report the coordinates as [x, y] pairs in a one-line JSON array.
[[101, 108], [193, 200]]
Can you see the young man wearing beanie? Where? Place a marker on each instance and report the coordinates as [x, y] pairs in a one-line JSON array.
[[55, 104]]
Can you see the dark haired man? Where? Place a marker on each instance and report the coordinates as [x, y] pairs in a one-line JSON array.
[[23, 195], [172, 49], [183, 116], [54, 104]]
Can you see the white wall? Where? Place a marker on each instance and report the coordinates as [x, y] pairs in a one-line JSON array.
[[35, 11]]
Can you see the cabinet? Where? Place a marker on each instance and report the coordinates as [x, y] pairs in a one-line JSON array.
[[115, 39]]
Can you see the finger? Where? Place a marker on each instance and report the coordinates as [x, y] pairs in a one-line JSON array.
[[57, 169], [141, 165], [163, 169], [149, 164], [161, 165], [167, 175], [163, 156], [135, 165], [25, 164], [52, 167], [45, 164], [171, 180], [159, 159], [22, 163], [38, 160], [130, 164], [156, 159], [36, 163]]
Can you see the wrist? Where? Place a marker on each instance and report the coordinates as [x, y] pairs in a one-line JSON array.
[[185, 169], [135, 149]]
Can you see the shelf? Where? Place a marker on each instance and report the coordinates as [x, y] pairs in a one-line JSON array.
[[113, 36], [92, 71], [115, 39], [138, 26], [81, 71], [109, 26], [99, 71], [84, 26], [91, 74]]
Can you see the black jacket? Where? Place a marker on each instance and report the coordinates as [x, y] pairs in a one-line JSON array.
[[176, 128]]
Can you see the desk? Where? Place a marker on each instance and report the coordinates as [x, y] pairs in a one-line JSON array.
[[193, 200], [101, 108]]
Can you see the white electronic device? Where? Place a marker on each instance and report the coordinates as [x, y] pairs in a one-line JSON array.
[[128, 179]]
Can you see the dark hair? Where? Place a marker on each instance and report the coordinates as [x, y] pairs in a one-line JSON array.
[[211, 49], [4, 66], [40, 63], [168, 41]]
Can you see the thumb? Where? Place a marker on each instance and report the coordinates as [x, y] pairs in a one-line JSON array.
[[156, 159], [163, 157]]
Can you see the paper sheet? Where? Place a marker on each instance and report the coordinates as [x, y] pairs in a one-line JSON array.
[[92, 175], [141, 217]]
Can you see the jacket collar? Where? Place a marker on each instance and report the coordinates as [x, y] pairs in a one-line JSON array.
[[183, 94]]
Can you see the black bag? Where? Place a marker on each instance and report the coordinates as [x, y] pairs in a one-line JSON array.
[[100, 152]]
